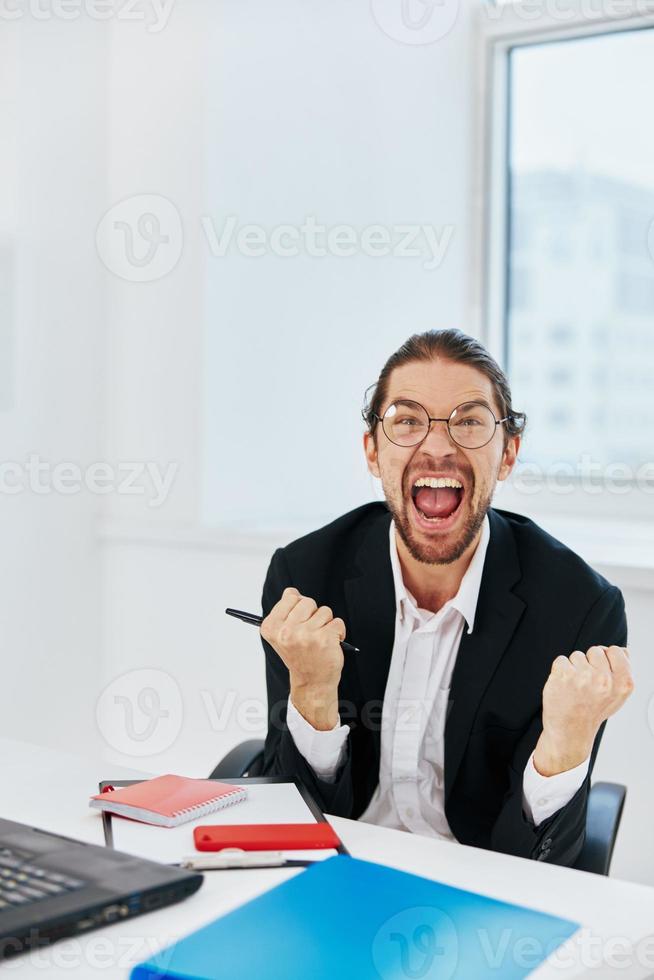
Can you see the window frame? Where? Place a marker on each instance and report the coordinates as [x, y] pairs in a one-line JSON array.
[[503, 25]]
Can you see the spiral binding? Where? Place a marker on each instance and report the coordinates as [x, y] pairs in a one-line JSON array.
[[228, 799]]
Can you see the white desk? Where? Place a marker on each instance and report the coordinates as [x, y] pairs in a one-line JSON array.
[[618, 916]]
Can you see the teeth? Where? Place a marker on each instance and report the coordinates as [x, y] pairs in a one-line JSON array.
[[437, 483]]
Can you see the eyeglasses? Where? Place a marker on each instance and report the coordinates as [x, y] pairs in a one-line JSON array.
[[471, 425]]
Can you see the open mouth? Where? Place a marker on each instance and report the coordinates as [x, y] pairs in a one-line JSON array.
[[437, 499]]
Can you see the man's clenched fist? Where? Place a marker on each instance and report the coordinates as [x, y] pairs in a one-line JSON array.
[[308, 640], [582, 691]]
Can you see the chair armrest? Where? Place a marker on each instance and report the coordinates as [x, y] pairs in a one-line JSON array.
[[239, 760], [605, 805]]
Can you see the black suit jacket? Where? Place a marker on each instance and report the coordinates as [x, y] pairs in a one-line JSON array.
[[537, 600]]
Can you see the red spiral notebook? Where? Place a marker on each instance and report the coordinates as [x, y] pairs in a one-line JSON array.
[[168, 801]]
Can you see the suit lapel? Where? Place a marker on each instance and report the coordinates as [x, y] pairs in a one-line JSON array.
[[498, 613], [370, 601]]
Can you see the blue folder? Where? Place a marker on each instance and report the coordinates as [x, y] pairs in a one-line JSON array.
[[345, 918]]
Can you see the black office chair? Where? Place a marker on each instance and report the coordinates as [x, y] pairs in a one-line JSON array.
[[605, 805], [243, 760]]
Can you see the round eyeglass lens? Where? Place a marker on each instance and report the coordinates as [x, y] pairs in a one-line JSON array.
[[405, 423], [472, 425]]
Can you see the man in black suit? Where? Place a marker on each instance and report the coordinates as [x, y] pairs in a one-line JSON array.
[[490, 654]]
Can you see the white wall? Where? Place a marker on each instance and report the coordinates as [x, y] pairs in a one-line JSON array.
[[272, 114], [315, 112], [51, 165]]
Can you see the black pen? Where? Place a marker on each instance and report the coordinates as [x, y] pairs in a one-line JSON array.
[[247, 617]]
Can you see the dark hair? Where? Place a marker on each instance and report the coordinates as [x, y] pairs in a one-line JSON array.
[[455, 346]]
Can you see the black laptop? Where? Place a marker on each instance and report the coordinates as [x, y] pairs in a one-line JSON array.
[[52, 886]]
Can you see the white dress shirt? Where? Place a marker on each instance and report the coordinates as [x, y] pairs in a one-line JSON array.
[[410, 794]]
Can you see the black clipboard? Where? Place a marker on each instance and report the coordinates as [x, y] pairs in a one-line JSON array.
[[315, 810]]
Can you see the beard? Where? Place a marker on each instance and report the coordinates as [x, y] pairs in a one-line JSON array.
[[442, 552]]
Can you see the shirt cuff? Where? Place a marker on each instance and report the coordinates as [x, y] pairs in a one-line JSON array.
[[324, 751], [542, 796]]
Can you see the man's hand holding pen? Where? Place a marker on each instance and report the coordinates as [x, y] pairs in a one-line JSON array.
[[308, 639]]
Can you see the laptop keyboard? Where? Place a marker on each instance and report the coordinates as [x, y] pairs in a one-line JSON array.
[[23, 882]]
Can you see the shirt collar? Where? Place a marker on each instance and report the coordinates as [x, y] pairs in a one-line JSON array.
[[465, 601]]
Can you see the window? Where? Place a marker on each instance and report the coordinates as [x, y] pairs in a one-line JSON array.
[[580, 245]]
